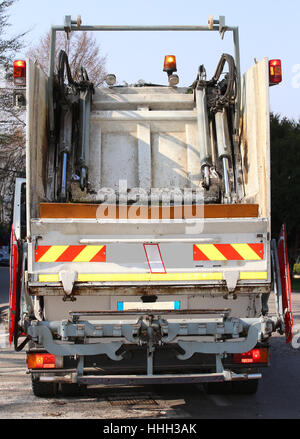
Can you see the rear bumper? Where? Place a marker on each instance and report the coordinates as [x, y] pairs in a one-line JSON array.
[[216, 336], [226, 335], [148, 379]]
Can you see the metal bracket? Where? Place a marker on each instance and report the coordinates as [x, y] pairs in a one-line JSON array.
[[68, 278], [204, 347], [222, 27], [44, 335], [220, 22], [231, 278], [68, 24], [219, 364]]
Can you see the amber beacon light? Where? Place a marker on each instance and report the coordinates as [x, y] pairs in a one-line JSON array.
[[170, 64], [275, 71], [19, 72]]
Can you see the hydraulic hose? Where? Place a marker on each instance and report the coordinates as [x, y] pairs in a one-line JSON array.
[[229, 95], [63, 63]]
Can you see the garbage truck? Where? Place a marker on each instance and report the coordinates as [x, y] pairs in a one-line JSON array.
[[141, 248]]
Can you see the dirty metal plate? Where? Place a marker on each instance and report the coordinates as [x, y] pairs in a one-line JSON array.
[[131, 400]]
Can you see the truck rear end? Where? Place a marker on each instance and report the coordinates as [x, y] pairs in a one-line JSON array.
[[147, 256]]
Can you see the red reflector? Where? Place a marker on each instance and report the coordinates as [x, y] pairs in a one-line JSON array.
[[19, 72], [275, 71], [41, 361], [259, 355]]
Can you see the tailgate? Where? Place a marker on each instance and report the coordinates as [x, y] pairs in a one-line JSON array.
[[215, 251]]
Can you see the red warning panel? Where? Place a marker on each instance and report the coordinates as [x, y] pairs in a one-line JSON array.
[[228, 252], [285, 284], [70, 253]]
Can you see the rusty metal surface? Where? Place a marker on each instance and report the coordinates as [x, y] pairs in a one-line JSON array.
[[150, 311], [35, 289], [154, 379]]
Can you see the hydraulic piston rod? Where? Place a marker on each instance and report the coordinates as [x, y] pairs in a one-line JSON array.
[[203, 135], [224, 149]]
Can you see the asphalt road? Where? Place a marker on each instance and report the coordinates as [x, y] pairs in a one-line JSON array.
[[278, 396]]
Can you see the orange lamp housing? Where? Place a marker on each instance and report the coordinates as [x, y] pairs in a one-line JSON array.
[[41, 361], [275, 71], [170, 64], [257, 355], [19, 72]]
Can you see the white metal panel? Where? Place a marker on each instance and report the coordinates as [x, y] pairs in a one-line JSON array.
[[169, 165], [121, 116], [256, 136], [95, 156], [146, 136], [144, 155], [36, 137], [193, 155], [130, 98], [57, 309], [119, 159]]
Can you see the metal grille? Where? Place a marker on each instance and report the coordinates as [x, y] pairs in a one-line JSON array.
[[131, 400]]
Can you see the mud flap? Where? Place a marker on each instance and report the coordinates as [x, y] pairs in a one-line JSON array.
[[16, 262], [14, 287], [282, 283]]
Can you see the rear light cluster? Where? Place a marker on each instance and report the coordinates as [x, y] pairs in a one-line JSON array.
[[275, 71], [19, 72], [258, 355], [43, 361]]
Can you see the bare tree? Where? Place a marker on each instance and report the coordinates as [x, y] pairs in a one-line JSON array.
[[12, 133], [8, 46], [12, 165], [82, 50]]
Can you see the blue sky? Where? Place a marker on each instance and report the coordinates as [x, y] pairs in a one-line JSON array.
[[268, 28]]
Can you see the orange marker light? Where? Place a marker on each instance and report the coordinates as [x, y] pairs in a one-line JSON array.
[[258, 355], [41, 361], [275, 71], [19, 72], [170, 64]]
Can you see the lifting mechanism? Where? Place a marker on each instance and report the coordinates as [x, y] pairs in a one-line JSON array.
[[218, 114], [216, 106], [73, 105]]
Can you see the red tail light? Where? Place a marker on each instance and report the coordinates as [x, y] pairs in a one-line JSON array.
[[19, 73], [275, 71], [258, 355], [41, 361]]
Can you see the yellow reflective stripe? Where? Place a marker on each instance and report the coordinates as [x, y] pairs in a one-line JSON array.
[[54, 252], [88, 253], [135, 277], [211, 252], [246, 252], [250, 275], [48, 278], [148, 277], [138, 277]]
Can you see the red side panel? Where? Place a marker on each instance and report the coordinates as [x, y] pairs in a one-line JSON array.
[[285, 284], [14, 263]]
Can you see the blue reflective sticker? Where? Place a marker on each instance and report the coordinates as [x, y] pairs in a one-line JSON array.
[[120, 306], [177, 304]]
